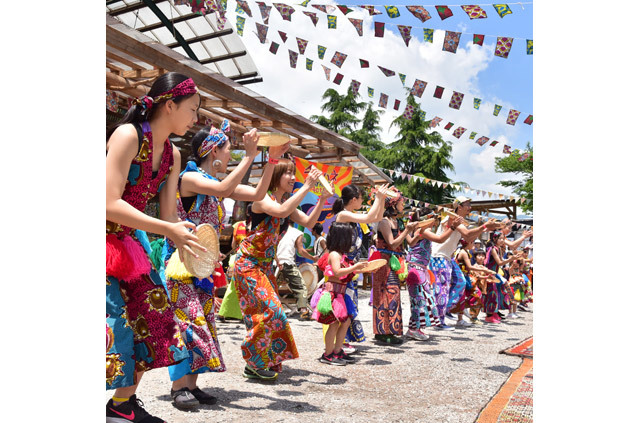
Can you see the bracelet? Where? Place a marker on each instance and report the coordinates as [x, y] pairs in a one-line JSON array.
[[273, 161]]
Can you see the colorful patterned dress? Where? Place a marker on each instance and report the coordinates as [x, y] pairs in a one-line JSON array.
[[230, 306], [193, 298], [422, 300], [355, 333], [387, 308], [141, 331], [472, 296], [269, 340], [497, 296], [342, 306]]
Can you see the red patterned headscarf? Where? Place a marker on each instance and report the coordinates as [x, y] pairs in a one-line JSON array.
[[186, 87]]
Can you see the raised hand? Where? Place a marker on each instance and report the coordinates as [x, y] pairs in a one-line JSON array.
[[278, 151], [250, 140], [184, 239]]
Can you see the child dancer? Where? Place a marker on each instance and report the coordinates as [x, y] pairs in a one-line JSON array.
[[330, 304], [472, 298]]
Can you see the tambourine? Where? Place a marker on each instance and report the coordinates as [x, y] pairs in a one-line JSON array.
[[272, 139]]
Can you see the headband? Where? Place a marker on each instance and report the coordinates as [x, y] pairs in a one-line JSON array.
[[389, 202], [186, 87], [215, 138]]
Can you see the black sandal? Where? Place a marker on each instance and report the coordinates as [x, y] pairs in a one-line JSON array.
[[261, 374]]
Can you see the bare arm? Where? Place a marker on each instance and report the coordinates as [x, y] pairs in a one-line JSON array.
[[464, 257], [498, 259], [334, 261], [301, 251], [385, 229], [516, 243], [272, 208], [309, 220]]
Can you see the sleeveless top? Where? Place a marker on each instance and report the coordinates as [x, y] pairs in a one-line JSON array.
[[381, 244], [266, 232], [490, 262], [354, 253], [142, 185], [205, 208], [461, 264], [420, 253]]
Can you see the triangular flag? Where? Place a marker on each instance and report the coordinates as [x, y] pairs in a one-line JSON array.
[[396, 105], [448, 126], [283, 35], [392, 11], [408, 112], [313, 16], [302, 45], [496, 110], [357, 23], [502, 9], [378, 29], [456, 100], [529, 46], [332, 21], [405, 32], [482, 140], [305, 3], [387, 72], [428, 35], [240, 25], [451, 41], [327, 71], [459, 131], [478, 39], [364, 63], [474, 11], [435, 122], [338, 59], [444, 12], [419, 12], [264, 11], [309, 64], [503, 47], [293, 58], [372, 10], [370, 92], [355, 86], [274, 47], [403, 77], [321, 8], [473, 135], [529, 120], [344, 9], [493, 143], [321, 51], [476, 103], [244, 6], [262, 32], [338, 79], [383, 100], [285, 10], [513, 116]]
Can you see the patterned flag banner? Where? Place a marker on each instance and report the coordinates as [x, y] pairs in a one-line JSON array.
[[240, 25], [264, 11], [262, 32], [332, 21], [476, 103], [408, 112], [474, 11], [478, 39], [419, 12], [444, 12], [112, 101], [302, 45], [506, 149], [357, 24], [285, 10], [438, 92], [364, 63], [449, 126], [482, 140], [244, 6], [355, 87], [403, 77], [529, 46], [459, 131], [435, 122], [456, 100], [387, 72], [338, 79], [451, 40], [473, 135], [428, 35], [396, 105], [313, 16], [293, 58], [321, 51], [327, 72], [338, 59], [405, 31], [493, 143], [513, 116], [305, 3], [422, 115], [524, 157], [370, 92], [502, 9], [503, 47], [392, 11], [379, 29], [529, 120], [344, 9], [418, 88], [496, 110], [283, 35], [274, 47], [309, 64], [321, 8], [239, 10], [372, 10], [383, 100]]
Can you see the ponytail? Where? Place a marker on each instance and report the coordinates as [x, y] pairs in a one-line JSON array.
[[338, 206]]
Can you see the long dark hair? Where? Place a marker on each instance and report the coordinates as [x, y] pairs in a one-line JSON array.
[[339, 237], [348, 193], [138, 114], [197, 141]]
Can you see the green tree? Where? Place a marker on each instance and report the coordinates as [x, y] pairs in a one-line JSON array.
[[343, 111], [368, 136], [524, 168]]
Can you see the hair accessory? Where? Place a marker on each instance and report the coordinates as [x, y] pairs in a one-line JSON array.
[[215, 138], [186, 87], [145, 101]]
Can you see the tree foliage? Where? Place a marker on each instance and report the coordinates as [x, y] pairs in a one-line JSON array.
[[523, 187]]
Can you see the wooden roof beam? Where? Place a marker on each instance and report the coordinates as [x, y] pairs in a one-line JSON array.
[[130, 8], [143, 73], [202, 38], [223, 104], [224, 57]]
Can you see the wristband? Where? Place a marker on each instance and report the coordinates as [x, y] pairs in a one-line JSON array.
[[273, 161]]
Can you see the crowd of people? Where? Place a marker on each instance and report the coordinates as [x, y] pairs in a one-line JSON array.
[[160, 316]]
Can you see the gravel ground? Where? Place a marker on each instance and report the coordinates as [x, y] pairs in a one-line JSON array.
[[449, 378]]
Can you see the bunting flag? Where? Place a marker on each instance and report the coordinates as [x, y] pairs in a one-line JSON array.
[[405, 32], [493, 143], [332, 21], [419, 12], [396, 105], [529, 46], [357, 24], [456, 100], [392, 11], [338, 79], [444, 12], [473, 135], [379, 29], [239, 10], [262, 32], [355, 87], [496, 110], [383, 100], [387, 72], [435, 122], [418, 88], [321, 8], [524, 157], [327, 72], [372, 10], [274, 47], [321, 51], [502, 9], [428, 35], [506, 149], [293, 58], [478, 39], [482, 140], [240, 25], [344, 9], [474, 11], [313, 16], [529, 120], [309, 64], [112, 101], [459, 131], [283, 35], [476, 103], [285, 10], [422, 114], [305, 3], [403, 77], [370, 92], [264, 11], [243, 4], [449, 126], [338, 59], [503, 47], [364, 63], [302, 45], [513, 116], [451, 40], [438, 92]]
